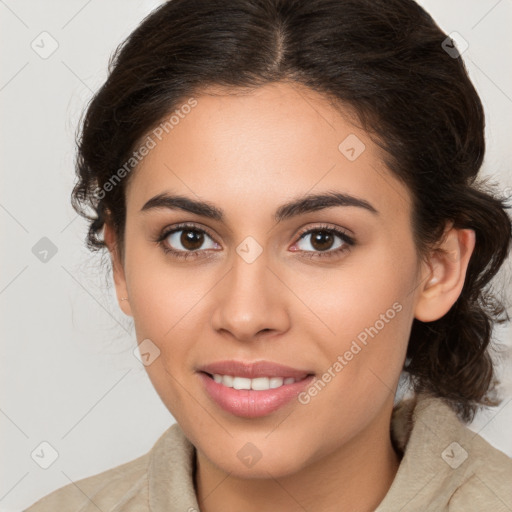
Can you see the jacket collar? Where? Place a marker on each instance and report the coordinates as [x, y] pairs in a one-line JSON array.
[[423, 428]]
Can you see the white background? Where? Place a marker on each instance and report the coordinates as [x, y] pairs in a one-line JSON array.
[[69, 376]]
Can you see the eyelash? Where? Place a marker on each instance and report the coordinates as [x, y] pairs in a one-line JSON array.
[[184, 255]]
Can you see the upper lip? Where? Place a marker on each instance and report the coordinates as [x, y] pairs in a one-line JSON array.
[[254, 369]]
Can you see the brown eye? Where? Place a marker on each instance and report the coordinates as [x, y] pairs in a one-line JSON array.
[[324, 240], [185, 241], [191, 239], [323, 243]]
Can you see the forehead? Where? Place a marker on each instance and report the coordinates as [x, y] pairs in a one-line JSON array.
[[252, 149]]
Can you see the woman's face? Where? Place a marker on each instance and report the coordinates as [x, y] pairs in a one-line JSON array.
[[253, 290]]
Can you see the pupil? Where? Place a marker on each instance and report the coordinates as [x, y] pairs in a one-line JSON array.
[[322, 236], [191, 240]]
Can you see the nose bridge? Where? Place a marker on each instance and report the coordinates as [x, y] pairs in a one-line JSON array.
[[247, 302], [247, 288]]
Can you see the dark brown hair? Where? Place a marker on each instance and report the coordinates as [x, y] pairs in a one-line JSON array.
[[385, 60]]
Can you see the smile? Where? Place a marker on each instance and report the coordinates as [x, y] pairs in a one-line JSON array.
[[258, 384]]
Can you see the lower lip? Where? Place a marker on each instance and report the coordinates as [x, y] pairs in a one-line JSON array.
[[249, 403]]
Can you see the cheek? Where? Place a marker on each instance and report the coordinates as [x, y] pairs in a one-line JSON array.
[[365, 309], [167, 303], [161, 293]]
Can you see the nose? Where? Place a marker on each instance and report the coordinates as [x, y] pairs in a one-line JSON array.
[[251, 300]]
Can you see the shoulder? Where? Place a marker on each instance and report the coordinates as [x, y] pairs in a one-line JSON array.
[[102, 491], [446, 466], [163, 475], [478, 475], [488, 477]]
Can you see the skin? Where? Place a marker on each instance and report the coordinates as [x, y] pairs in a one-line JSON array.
[[248, 154]]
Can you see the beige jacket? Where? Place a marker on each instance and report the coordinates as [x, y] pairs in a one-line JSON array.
[[445, 467]]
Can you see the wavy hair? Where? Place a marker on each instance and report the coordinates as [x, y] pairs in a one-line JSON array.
[[384, 60]]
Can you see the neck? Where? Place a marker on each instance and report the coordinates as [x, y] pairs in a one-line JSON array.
[[354, 478]]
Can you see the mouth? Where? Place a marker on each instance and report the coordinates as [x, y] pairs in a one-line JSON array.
[[257, 384], [254, 390], [252, 370]]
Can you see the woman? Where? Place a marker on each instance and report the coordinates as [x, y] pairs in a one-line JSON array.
[[287, 190]]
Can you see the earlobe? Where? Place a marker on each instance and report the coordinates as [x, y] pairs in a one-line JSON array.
[[117, 270], [444, 275]]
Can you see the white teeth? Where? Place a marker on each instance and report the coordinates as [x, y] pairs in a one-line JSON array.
[[275, 382], [258, 384], [241, 383]]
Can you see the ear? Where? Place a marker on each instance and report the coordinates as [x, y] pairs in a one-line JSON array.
[[444, 274], [117, 269]]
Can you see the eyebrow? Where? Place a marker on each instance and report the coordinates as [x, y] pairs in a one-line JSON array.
[[293, 208]]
